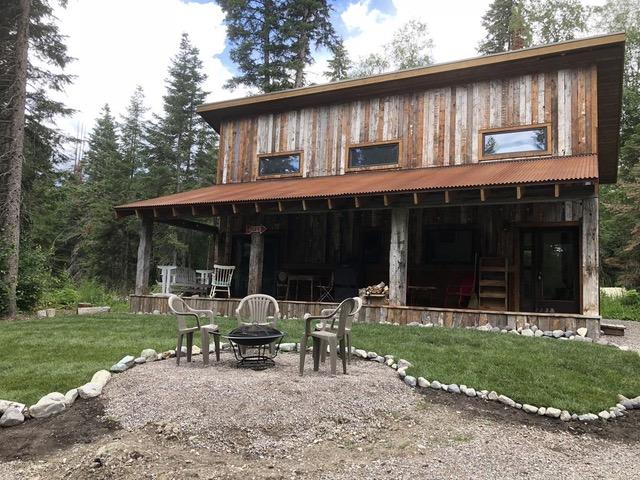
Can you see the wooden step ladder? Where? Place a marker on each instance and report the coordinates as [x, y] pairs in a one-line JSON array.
[[493, 283]]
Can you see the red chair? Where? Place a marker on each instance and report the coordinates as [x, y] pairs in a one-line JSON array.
[[465, 289]]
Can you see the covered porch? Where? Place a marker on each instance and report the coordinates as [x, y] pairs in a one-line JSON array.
[[501, 243]]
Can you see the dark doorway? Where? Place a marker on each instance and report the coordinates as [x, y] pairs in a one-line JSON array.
[[240, 254], [549, 268]]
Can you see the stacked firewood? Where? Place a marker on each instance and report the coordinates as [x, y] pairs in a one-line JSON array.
[[379, 289]]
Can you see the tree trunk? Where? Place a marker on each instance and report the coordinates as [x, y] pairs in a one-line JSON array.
[[143, 267], [255, 263], [15, 156], [398, 256]]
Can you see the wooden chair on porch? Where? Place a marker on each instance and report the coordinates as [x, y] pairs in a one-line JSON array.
[[221, 279]]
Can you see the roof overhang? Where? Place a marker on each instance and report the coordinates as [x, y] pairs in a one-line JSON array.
[[550, 171], [606, 52]]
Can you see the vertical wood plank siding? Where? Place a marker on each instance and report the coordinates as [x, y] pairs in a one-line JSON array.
[[435, 127]]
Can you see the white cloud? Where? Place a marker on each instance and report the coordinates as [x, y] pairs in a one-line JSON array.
[[119, 44]]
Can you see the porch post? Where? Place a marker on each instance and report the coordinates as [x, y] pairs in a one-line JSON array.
[[143, 265], [590, 260], [398, 256], [255, 263]]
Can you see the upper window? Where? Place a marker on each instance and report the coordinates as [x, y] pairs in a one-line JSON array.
[[378, 155], [515, 142], [282, 164]]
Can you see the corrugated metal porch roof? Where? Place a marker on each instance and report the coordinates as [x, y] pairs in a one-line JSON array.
[[485, 174]]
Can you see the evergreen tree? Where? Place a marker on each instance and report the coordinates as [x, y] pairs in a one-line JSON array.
[[339, 64], [307, 24], [557, 20], [507, 27]]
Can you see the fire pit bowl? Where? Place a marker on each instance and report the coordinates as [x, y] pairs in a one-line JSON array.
[[258, 339]]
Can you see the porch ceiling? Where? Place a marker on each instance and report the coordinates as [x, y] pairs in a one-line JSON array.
[[461, 177]]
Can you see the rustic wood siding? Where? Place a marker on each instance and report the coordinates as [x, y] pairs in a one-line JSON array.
[[435, 127]]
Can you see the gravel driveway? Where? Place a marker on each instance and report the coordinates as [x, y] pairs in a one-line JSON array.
[[220, 422], [631, 337]]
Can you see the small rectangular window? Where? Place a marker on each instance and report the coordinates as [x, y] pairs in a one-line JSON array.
[[514, 142], [282, 164], [374, 155]]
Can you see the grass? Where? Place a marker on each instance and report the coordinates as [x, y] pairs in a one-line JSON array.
[[615, 308], [44, 355]]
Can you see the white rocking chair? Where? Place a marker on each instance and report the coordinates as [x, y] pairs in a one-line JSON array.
[[221, 279]]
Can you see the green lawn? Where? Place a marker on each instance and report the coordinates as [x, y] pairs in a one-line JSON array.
[[616, 309], [40, 356]]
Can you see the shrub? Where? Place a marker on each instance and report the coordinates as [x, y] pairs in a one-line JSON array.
[[631, 298], [34, 277]]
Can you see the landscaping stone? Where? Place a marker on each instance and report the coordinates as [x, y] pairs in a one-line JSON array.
[[93, 310], [48, 405], [631, 403], [371, 355], [553, 412], [470, 392], [90, 390], [402, 372], [423, 382], [361, 353], [582, 331], [149, 354], [453, 388], [574, 416], [587, 417], [445, 387], [413, 324], [565, 416], [288, 347], [402, 363], [583, 339], [504, 331], [11, 417], [538, 333], [379, 359], [71, 396], [514, 331], [534, 328], [390, 362], [123, 364], [557, 333], [492, 396], [6, 404], [527, 332], [529, 408], [140, 361], [101, 377], [394, 366], [518, 406], [485, 328], [41, 313], [410, 381], [436, 385], [506, 400], [542, 411], [548, 333], [495, 329]]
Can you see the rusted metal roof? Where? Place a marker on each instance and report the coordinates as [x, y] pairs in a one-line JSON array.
[[486, 174]]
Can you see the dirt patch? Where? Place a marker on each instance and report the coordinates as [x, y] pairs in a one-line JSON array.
[[623, 429], [83, 423]]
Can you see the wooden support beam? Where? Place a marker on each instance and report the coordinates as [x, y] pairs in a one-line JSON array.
[[156, 213], [194, 211], [189, 225], [483, 195], [304, 205], [138, 214], [256, 206], [174, 212], [256, 258], [356, 202], [143, 265], [416, 199], [519, 192], [329, 204], [398, 256], [234, 208], [280, 207], [590, 259], [214, 211], [556, 190], [385, 199], [447, 197]]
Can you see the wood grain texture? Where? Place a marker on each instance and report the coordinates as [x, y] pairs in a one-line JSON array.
[[436, 127]]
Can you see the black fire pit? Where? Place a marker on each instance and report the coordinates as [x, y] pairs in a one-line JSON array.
[[256, 339]]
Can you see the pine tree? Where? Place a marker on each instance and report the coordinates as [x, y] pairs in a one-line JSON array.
[[339, 64], [507, 27], [307, 24]]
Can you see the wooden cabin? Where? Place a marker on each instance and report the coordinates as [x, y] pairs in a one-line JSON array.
[[470, 188]]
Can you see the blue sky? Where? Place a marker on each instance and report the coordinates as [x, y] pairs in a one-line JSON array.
[[119, 44]]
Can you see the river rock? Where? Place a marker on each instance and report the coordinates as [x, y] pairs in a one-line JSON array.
[[542, 411], [582, 331], [538, 333], [492, 396], [123, 364], [436, 385], [529, 408], [288, 347], [423, 382], [379, 359], [71, 396], [48, 405], [371, 355], [389, 362], [149, 354], [101, 377], [470, 392], [587, 417], [485, 328], [527, 332], [11, 417], [506, 400], [565, 416], [361, 353], [453, 388], [402, 372], [90, 390], [410, 381], [402, 363], [140, 361], [557, 333], [604, 415], [6, 404], [553, 412]]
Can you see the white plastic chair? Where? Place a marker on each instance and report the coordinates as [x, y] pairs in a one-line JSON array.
[[258, 309], [182, 311], [326, 325], [221, 279]]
